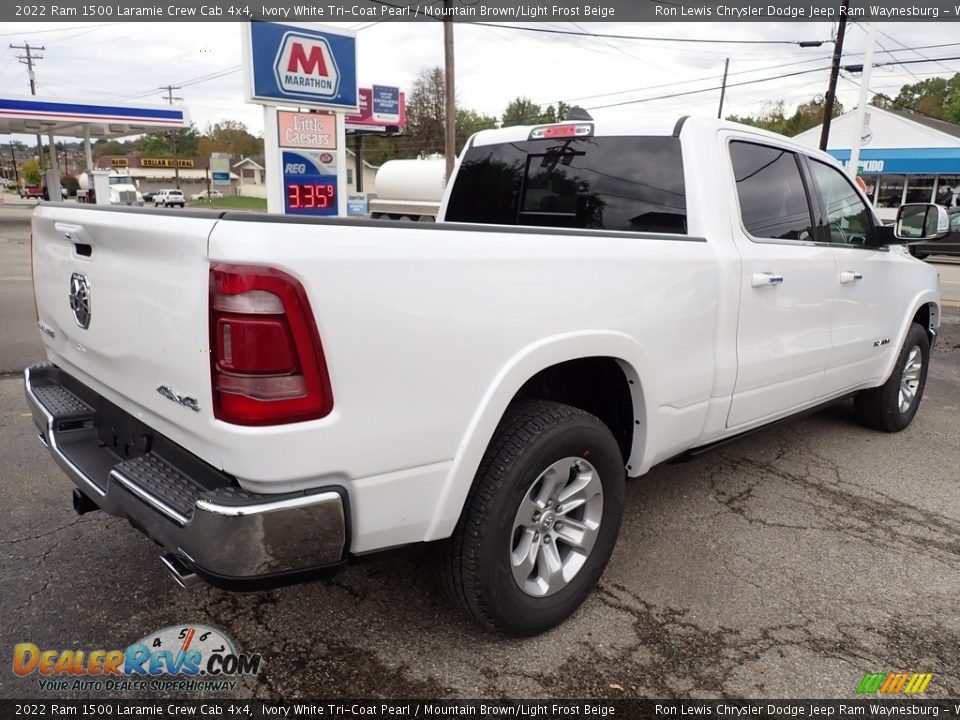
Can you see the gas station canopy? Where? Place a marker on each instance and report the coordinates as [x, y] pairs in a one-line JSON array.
[[84, 119]]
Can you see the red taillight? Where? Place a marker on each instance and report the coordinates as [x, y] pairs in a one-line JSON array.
[[266, 361]]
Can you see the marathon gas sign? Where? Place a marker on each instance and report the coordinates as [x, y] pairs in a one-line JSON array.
[[301, 64]]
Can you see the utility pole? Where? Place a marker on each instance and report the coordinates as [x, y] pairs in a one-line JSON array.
[[175, 136], [27, 59], [723, 87], [13, 156], [450, 108], [834, 74]]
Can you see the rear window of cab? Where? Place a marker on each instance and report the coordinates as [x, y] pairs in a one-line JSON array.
[[604, 183]]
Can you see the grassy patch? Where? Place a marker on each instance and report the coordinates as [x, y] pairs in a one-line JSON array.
[[233, 203]]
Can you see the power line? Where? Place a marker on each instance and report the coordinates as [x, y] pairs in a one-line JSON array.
[[51, 30], [914, 50], [695, 80], [859, 68], [709, 89], [553, 31]]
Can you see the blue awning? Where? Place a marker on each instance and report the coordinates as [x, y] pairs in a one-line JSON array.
[[918, 161]]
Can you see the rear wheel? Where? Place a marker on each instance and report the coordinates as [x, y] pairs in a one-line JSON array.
[[892, 406], [541, 520]]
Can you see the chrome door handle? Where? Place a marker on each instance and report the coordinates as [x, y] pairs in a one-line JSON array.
[[766, 279], [849, 276]]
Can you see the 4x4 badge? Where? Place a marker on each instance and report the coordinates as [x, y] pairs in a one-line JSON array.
[[80, 299]]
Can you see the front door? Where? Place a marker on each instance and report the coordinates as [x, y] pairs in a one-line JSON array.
[[867, 304]]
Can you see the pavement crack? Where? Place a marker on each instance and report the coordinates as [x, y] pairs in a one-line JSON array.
[[47, 533]]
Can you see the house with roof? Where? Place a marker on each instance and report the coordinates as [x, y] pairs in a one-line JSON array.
[[904, 157]]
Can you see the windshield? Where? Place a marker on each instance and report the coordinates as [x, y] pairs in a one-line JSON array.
[[121, 180]]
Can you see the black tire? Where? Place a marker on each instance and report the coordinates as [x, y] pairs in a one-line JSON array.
[[475, 566], [918, 254], [879, 407]]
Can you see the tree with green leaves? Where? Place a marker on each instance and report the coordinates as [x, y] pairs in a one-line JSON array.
[[183, 142], [937, 97], [426, 111], [109, 148], [773, 117], [30, 172], [470, 122], [521, 111], [230, 136]]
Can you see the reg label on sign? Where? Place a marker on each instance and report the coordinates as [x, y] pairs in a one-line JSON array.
[[310, 183]]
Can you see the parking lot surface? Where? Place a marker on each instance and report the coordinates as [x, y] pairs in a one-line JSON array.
[[789, 564]]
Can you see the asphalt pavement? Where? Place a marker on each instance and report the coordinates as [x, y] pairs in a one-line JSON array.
[[786, 565]]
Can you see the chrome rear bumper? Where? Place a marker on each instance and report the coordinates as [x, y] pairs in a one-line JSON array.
[[197, 512]]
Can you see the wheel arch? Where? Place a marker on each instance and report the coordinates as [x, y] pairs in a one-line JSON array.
[[517, 374], [925, 310]]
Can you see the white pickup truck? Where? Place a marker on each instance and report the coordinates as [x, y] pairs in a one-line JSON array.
[[269, 396]]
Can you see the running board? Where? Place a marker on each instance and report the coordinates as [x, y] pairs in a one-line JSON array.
[[694, 453]]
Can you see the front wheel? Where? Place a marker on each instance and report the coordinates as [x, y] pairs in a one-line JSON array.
[[540, 522], [892, 406]]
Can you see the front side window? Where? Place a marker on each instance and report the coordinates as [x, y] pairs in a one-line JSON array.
[[848, 219], [773, 200], [603, 183]]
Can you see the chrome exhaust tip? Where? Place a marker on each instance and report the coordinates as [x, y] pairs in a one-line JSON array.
[[82, 504], [181, 574]]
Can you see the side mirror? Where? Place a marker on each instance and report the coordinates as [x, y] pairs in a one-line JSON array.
[[917, 222]]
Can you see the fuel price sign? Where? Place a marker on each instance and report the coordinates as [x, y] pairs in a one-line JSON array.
[[309, 183]]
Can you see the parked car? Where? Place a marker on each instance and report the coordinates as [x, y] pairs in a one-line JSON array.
[[203, 195], [596, 298], [148, 197], [31, 191], [950, 245], [169, 198]]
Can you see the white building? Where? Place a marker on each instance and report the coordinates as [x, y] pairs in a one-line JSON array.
[[904, 157]]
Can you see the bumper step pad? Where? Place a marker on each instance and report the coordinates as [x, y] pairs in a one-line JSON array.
[[162, 481], [61, 403]]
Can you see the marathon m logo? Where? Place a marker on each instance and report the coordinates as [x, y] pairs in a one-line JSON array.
[[299, 62], [894, 683], [305, 65]]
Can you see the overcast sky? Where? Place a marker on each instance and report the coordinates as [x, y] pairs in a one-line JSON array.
[[128, 61]]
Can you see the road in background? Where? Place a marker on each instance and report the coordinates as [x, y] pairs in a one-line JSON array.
[[789, 564], [19, 338]]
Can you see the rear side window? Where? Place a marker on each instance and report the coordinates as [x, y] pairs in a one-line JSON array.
[[605, 183], [773, 199]]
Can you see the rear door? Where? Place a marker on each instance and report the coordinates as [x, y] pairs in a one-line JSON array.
[[122, 306], [783, 337]]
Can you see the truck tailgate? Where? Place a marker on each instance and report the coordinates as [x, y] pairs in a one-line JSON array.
[[141, 338]]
